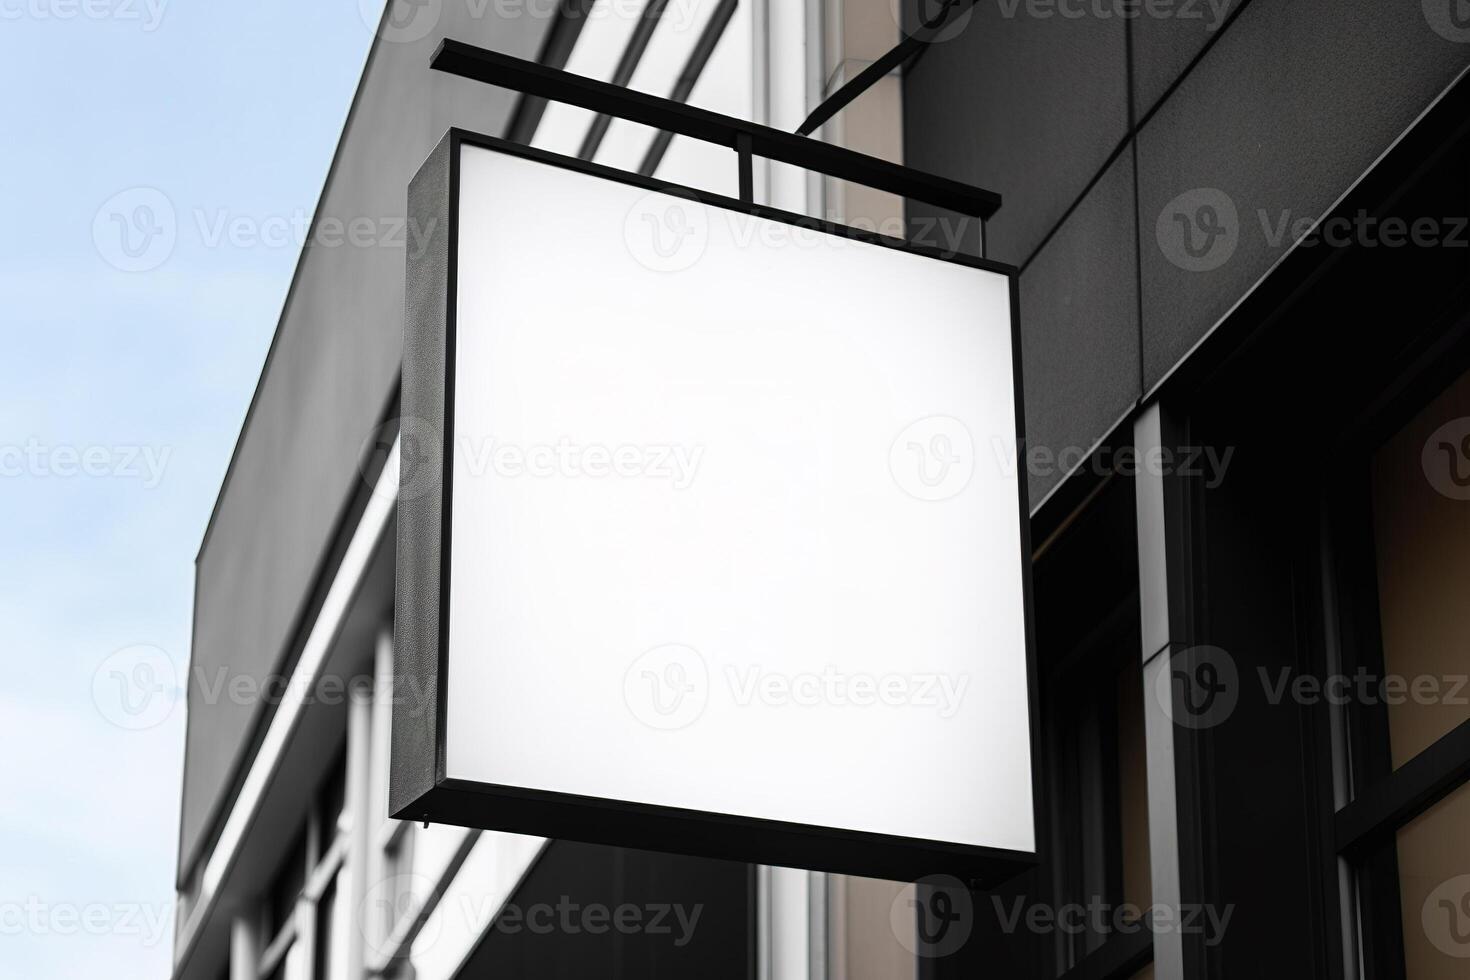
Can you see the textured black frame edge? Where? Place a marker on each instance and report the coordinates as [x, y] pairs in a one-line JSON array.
[[419, 788], [423, 511]]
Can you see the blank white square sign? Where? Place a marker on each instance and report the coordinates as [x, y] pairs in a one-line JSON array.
[[735, 515]]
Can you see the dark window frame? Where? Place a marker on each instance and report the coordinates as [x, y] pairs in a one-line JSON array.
[[1095, 641], [1370, 800], [1084, 767]]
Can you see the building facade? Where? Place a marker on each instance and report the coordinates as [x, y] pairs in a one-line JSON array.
[[1241, 230]]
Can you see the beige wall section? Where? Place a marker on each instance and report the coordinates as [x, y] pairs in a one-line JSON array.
[[1422, 538], [862, 942], [873, 124], [855, 33]]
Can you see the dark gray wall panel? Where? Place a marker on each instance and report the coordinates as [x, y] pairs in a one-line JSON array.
[[1028, 107], [1280, 116], [326, 381], [1165, 42], [720, 944], [1079, 325]]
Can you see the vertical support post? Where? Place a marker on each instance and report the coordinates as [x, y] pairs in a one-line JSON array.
[[762, 83], [382, 726], [359, 807], [817, 15], [303, 954], [835, 918], [764, 950], [818, 925], [747, 168], [244, 947], [1161, 585], [792, 921]]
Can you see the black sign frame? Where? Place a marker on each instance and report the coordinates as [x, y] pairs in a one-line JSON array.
[[419, 788]]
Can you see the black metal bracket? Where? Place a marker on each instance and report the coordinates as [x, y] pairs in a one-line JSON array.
[[904, 51], [746, 138]]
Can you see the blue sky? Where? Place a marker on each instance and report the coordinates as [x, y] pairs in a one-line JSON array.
[[121, 395]]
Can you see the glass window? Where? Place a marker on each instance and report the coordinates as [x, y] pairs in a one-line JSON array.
[[1137, 880], [296, 965], [672, 65], [726, 85], [599, 47], [1434, 890], [292, 965], [658, 72], [704, 52], [1422, 541], [394, 898], [286, 886], [331, 798], [1101, 784], [1406, 619], [332, 935]]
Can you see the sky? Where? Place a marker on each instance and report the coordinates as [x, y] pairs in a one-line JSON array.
[[132, 332]]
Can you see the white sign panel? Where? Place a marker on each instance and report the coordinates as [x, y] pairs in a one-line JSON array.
[[733, 554]]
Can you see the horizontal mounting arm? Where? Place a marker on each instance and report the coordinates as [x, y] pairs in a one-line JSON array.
[[493, 68]]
